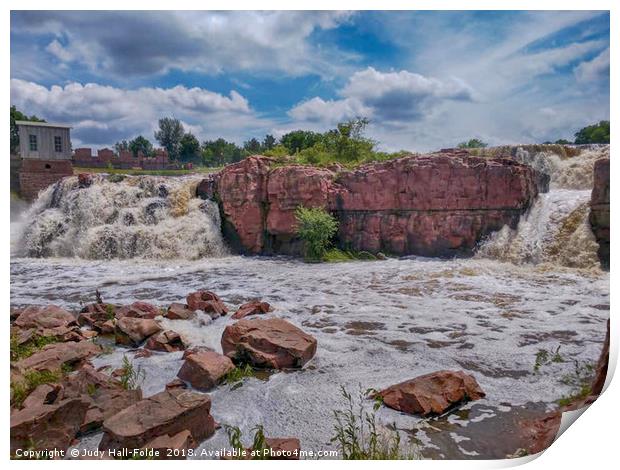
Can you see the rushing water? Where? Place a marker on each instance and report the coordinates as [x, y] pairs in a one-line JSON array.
[[377, 323]]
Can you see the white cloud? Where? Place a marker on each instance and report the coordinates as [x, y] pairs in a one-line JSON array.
[[101, 114], [593, 69]]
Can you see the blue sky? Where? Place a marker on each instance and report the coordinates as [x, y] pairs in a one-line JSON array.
[[426, 80]]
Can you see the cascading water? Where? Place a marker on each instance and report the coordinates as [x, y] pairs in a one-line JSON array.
[[556, 229], [122, 217]]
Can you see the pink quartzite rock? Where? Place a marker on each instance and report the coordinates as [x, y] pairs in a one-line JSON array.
[[47, 426], [132, 331], [53, 356], [599, 209], [272, 343], [253, 307], [440, 204], [432, 393], [204, 370], [166, 341], [207, 302], [178, 311], [165, 445], [50, 316], [166, 413], [138, 310]]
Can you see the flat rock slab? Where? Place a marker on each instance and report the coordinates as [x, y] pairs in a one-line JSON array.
[[432, 393], [253, 307], [138, 310], [47, 426], [166, 413], [204, 370], [50, 316], [53, 356], [272, 343]]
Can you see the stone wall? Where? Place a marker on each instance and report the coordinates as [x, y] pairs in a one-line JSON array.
[[599, 209], [36, 175], [124, 160], [440, 204]]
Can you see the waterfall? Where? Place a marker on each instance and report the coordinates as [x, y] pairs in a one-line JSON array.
[[122, 217]]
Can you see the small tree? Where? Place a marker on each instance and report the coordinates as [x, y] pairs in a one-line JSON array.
[[141, 145], [169, 136], [121, 146], [473, 144], [17, 115], [190, 148], [315, 227], [269, 142], [594, 134]]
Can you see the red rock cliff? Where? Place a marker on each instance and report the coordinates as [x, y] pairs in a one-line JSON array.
[[599, 209], [435, 205]]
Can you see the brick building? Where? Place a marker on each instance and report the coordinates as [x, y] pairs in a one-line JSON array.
[[45, 155], [104, 158]]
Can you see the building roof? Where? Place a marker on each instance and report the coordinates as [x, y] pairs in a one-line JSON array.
[[42, 124]]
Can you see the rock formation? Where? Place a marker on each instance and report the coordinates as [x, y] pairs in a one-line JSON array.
[[440, 204], [599, 209]]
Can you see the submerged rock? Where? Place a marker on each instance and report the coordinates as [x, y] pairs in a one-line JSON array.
[[204, 370], [273, 343], [131, 331], [206, 301], [166, 413], [432, 393], [254, 307]]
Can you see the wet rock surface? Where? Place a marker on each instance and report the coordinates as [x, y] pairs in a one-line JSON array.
[[254, 307], [206, 301], [432, 393], [130, 331], [205, 369], [273, 343]]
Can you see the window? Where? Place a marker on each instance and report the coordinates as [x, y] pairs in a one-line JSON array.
[[58, 144], [32, 139]]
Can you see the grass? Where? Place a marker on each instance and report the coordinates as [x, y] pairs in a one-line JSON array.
[[545, 357], [131, 377], [258, 450], [239, 373], [32, 379], [357, 435], [335, 255], [22, 351], [136, 171]]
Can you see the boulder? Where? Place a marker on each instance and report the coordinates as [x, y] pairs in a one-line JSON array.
[[179, 442], [53, 356], [196, 349], [106, 395], [166, 341], [204, 370], [50, 316], [131, 331], [85, 180], [432, 393], [44, 394], [272, 343], [207, 302], [176, 383], [253, 307], [96, 315], [599, 209], [47, 427], [166, 413], [138, 310], [178, 311]]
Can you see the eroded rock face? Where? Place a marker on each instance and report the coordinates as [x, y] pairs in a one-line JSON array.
[[204, 370], [272, 343], [441, 204], [432, 393], [206, 301], [599, 209], [254, 307], [132, 331], [47, 427], [166, 413]]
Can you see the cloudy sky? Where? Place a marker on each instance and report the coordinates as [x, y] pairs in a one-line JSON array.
[[426, 80]]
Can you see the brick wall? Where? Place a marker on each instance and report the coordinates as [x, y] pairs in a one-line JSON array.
[[125, 160], [36, 175]]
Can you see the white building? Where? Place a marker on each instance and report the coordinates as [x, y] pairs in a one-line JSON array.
[[44, 140]]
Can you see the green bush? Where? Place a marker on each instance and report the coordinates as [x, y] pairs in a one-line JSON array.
[[594, 134], [315, 227]]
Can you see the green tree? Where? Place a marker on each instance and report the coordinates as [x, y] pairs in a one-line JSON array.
[[121, 146], [269, 142], [189, 150], [252, 146], [473, 144], [315, 227], [169, 136], [299, 140], [594, 134], [219, 152], [17, 115], [141, 145]]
